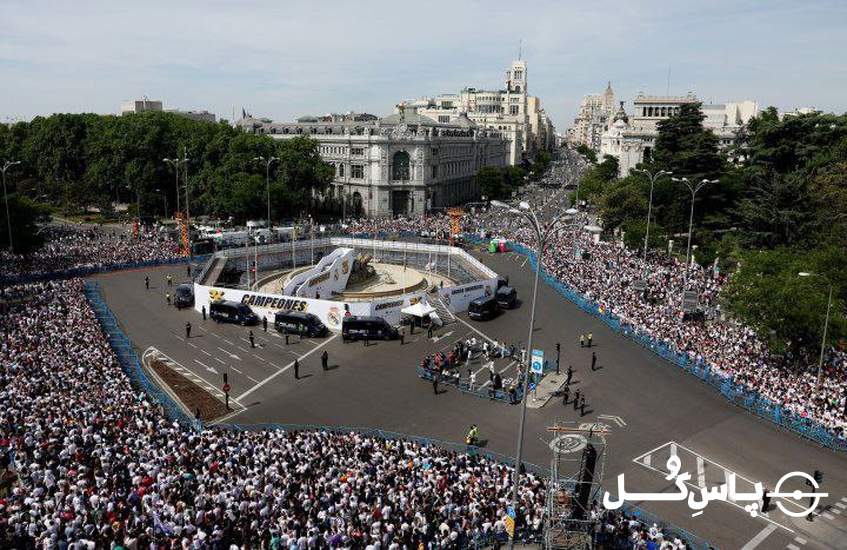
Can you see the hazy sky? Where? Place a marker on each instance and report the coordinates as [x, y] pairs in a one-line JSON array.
[[283, 59]]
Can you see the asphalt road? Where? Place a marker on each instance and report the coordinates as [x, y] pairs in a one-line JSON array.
[[662, 410]]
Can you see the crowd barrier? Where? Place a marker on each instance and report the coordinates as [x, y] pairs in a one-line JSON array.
[[94, 270], [462, 385], [735, 393], [128, 359]]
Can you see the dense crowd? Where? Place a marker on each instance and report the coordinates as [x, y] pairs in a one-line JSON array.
[[71, 247], [89, 462], [605, 272]]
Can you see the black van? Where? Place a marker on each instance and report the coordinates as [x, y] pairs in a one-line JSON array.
[[297, 322], [507, 297], [184, 295], [371, 328], [232, 312], [483, 308]]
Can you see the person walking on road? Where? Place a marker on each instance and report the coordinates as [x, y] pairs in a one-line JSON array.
[[170, 280], [188, 271], [252, 340], [582, 340], [590, 339], [435, 378], [576, 400], [402, 336], [168, 297], [146, 282], [566, 395], [187, 331], [264, 323], [582, 406], [471, 381], [296, 369], [593, 360], [429, 331], [570, 375], [325, 360], [203, 311]]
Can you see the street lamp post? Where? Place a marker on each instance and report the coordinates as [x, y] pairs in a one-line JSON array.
[[825, 327], [268, 163], [165, 197], [175, 163], [694, 188], [543, 231], [653, 177], [6, 165]]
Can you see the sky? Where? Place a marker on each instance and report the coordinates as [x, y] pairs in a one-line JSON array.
[[282, 59]]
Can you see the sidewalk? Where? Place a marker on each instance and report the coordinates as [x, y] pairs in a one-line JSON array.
[[549, 385]]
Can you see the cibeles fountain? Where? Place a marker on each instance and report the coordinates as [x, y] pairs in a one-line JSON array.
[[337, 276]]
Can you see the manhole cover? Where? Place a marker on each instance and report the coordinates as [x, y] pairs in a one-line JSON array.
[[568, 443]]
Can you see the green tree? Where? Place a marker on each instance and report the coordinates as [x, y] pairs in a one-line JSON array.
[[587, 152], [23, 213], [492, 183]]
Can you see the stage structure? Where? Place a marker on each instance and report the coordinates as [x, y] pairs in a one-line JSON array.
[[576, 472], [338, 276]]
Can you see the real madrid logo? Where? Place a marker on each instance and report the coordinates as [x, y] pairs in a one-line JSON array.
[[216, 295], [333, 317]]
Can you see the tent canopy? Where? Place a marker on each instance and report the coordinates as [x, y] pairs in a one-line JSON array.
[[418, 310]]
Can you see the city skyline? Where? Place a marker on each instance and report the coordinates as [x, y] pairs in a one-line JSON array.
[[284, 61]]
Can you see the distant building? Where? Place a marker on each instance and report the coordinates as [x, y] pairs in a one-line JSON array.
[[594, 116], [203, 116], [799, 111], [511, 111], [631, 139], [399, 164], [140, 106]]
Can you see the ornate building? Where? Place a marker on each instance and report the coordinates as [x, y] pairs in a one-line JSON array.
[[594, 116], [518, 116], [403, 163], [631, 139]]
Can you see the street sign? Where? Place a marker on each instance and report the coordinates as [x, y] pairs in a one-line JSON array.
[[510, 522], [537, 365]]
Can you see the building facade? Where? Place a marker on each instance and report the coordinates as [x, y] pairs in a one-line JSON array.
[[511, 111], [594, 117], [400, 164], [631, 139]]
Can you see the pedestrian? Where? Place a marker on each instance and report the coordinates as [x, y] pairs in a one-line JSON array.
[[325, 360], [187, 330], [188, 271], [566, 395], [490, 371], [286, 338], [593, 360], [296, 369], [582, 340], [264, 323], [203, 311], [513, 394], [576, 400], [582, 406], [471, 381], [590, 339], [252, 340], [412, 327], [170, 280], [168, 297], [429, 331], [435, 382], [766, 500], [402, 336], [197, 413], [570, 375], [146, 282]]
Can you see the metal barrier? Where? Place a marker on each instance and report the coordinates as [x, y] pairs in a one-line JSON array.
[[93, 270], [463, 386], [735, 393], [128, 359]]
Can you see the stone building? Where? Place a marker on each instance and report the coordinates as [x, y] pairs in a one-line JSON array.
[[594, 116], [399, 164]]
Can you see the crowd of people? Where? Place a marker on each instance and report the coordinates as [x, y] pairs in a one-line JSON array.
[[69, 246], [87, 461]]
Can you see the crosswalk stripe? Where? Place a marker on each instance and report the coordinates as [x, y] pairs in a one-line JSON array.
[[835, 511], [701, 472], [828, 516], [793, 547], [757, 540], [841, 505], [800, 540]]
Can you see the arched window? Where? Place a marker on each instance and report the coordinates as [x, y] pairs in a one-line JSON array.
[[400, 166]]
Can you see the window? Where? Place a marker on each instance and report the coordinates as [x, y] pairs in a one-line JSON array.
[[357, 151], [514, 109], [444, 118], [400, 166], [340, 170], [357, 171], [434, 172]]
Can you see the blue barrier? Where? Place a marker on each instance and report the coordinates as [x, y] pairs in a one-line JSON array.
[[463, 386], [128, 359], [735, 393]]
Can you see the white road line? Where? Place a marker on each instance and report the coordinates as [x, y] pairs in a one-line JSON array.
[[844, 499], [237, 370], [271, 363], [253, 380], [701, 472], [647, 460], [192, 345], [800, 540], [841, 505], [180, 338], [220, 361], [793, 547], [492, 340], [651, 451], [231, 343], [828, 516], [262, 359], [673, 449], [280, 371], [206, 352], [757, 540], [726, 475], [202, 328], [835, 510], [242, 349]]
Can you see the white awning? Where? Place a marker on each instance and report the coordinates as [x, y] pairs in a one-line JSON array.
[[418, 310]]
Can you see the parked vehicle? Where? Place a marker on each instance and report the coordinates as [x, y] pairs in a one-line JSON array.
[[483, 308], [232, 312], [299, 323], [507, 297], [184, 295], [367, 328]]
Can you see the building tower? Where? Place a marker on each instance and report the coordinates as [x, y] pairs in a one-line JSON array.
[[516, 77]]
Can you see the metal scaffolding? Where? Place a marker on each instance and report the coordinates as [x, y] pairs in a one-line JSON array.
[[576, 472]]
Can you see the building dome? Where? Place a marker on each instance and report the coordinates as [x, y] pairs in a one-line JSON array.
[[620, 116]]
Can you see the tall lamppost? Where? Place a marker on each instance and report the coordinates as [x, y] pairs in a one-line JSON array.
[[6, 165], [694, 188], [653, 177], [543, 231], [825, 323], [165, 197], [268, 163], [175, 163]]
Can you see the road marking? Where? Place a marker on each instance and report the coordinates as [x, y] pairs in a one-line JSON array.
[[288, 366], [192, 345], [442, 337], [263, 360], [793, 547], [524, 262], [252, 379], [242, 349], [616, 419], [841, 505], [757, 540], [207, 367], [231, 343], [673, 449], [206, 352], [828, 516], [271, 363], [701, 472], [647, 460], [800, 540], [180, 338], [220, 361], [834, 511], [492, 340], [236, 369], [232, 355]]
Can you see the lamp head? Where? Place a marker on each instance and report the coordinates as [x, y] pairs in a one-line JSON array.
[[523, 205], [499, 204]]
